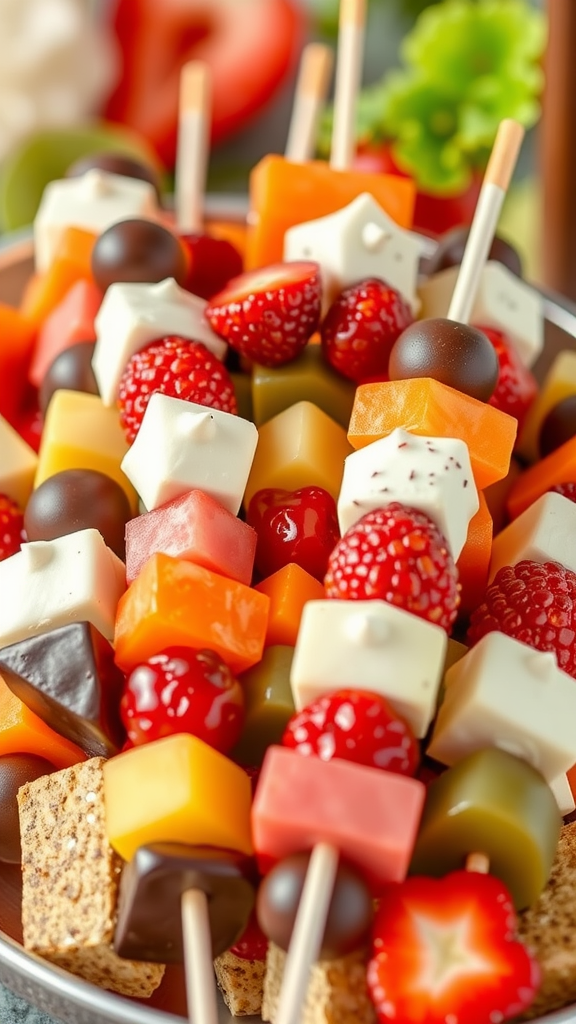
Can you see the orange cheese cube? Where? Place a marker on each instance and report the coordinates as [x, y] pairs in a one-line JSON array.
[[474, 561], [22, 732], [557, 468], [430, 409], [176, 790], [71, 263], [175, 603], [288, 589], [283, 194]]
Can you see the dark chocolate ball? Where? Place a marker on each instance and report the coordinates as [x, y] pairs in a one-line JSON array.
[[15, 771], [137, 250], [451, 247], [78, 499], [70, 371], [115, 163], [453, 353], [349, 917], [558, 426]]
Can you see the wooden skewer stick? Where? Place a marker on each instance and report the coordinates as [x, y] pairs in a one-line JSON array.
[[494, 187], [200, 981], [193, 146], [351, 33], [308, 931], [311, 94]]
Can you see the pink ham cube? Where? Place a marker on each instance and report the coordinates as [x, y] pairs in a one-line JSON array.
[[370, 816], [70, 322], [196, 528]]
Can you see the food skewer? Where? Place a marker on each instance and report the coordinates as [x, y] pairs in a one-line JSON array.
[[351, 32], [311, 93], [193, 146]]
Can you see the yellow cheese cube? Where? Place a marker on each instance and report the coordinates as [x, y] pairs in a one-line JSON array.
[[81, 433], [300, 447], [176, 790]]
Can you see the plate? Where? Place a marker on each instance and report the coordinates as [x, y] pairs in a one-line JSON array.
[[46, 987]]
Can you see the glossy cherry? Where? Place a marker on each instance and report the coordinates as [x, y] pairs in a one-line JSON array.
[[183, 690], [294, 526], [355, 725]]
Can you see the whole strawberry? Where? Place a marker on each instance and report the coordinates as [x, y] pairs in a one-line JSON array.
[[178, 368], [535, 604], [268, 315], [398, 555], [516, 387], [361, 327], [11, 527]]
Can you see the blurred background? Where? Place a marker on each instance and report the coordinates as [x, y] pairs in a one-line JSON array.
[[82, 75]]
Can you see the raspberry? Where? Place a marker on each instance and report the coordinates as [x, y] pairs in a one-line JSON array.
[[516, 387], [361, 327], [11, 527], [178, 368], [535, 604], [567, 490], [398, 555]]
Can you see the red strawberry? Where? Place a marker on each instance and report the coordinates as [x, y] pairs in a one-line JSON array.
[[535, 604], [252, 944], [355, 725], [445, 951], [11, 527], [516, 388], [213, 262], [396, 554], [178, 368], [293, 526], [183, 690], [268, 315], [361, 327]]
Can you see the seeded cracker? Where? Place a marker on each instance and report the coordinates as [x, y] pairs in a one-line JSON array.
[[337, 992], [241, 983], [548, 929], [70, 877]]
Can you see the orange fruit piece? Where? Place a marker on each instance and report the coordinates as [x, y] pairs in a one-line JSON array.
[[23, 732], [288, 589]]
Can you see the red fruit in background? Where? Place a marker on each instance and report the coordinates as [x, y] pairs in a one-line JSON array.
[[183, 690], [360, 328], [535, 604], [249, 46], [516, 387], [444, 950], [433, 214], [398, 555], [11, 527], [355, 725], [268, 315], [178, 368], [212, 263], [293, 526]]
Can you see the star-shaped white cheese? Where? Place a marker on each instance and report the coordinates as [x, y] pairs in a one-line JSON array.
[[133, 315], [182, 446], [94, 202], [357, 242], [503, 302]]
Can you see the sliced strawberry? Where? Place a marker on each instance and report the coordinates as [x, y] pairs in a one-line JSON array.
[[444, 951], [11, 527], [268, 315]]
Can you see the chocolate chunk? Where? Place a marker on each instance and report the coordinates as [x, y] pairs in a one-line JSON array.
[[115, 163], [558, 426], [79, 499], [452, 353], [349, 917], [149, 910], [451, 247], [138, 251], [68, 678], [71, 370]]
